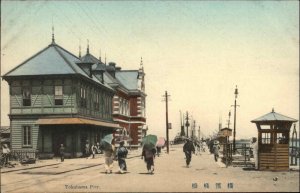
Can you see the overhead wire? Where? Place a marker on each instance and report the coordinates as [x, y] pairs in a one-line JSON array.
[[88, 19], [25, 25], [72, 24], [100, 31]]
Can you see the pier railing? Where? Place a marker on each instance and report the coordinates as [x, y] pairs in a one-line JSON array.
[[241, 157], [18, 155]]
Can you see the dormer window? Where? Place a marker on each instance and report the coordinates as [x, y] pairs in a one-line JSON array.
[[26, 96], [58, 95]]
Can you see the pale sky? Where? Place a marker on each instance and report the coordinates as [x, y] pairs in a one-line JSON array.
[[196, 50]]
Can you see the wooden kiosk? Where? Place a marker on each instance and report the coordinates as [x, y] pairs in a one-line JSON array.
[[273, 141]]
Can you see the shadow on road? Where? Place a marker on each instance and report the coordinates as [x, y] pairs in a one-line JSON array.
[[146, 173], [249, 169]]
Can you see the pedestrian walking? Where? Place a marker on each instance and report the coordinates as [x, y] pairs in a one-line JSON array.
[[188, 148], [87, 149], [196, 144], [109, 156], [158, 150], [94, 150], [98, 148], [216, 148], [210, 146], [254, 147], [202, 146], [149, 155], [6, 153], [122, 154], [62, 152]]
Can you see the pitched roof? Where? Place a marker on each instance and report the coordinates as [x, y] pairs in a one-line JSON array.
[[272, 116], [98, 66], [52, 60], [128, 78], [88, 58]]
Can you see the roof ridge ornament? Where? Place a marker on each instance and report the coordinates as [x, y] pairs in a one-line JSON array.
[[88, 47], [53, 40], [141, 64], [100, 56], [273, 110], [79, 48]]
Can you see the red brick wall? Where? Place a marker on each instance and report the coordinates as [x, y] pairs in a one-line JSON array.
[[133, 106], [134, 133]]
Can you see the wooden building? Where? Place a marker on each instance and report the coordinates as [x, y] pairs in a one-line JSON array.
[[273, 141], [223, 135], [129, 100], [59, 98]]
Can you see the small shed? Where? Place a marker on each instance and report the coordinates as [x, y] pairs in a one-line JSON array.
[[273, 141], [224, 134]]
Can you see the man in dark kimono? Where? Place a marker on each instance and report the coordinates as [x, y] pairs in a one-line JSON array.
[[188, 148], [122, 154], [149, 159]]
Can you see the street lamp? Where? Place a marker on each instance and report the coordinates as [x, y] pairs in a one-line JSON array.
[[234, 123]]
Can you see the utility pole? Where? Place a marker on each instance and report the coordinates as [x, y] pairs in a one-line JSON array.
[[227, 141], [234, 121], [167, 121], [187, 124], [194, 131], [181, 125]]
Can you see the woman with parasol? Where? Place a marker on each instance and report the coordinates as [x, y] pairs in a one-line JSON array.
[[109, 152], [160, 144], [149, 151]]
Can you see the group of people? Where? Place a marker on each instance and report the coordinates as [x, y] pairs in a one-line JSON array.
[[120, 154], [189, 149], [214, 146], [111, 154], [94, 149]]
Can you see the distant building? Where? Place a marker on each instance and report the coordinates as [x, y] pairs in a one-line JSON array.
[[59, 98]]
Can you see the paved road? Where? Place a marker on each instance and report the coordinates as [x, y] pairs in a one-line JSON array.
[[171, 175]]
